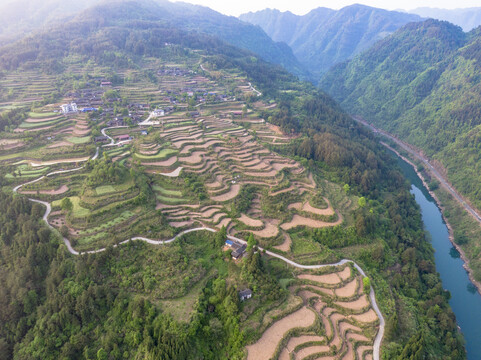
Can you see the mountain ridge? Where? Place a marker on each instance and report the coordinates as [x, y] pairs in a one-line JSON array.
[[324, 37]]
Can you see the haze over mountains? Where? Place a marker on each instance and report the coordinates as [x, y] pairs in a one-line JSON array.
[[468, 18], [324, 37], [16, 22], [423, 84]]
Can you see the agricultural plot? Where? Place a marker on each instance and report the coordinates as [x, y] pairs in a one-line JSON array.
[[206, 164], [335, 320]]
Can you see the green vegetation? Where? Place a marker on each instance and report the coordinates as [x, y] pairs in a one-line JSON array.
[[161, 155], [111, 303], [79, 140], [41, 115], [429, 99]]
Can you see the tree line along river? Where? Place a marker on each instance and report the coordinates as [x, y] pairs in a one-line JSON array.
[[465, 300]]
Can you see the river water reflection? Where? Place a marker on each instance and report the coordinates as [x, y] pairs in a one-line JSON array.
[[465, 300]]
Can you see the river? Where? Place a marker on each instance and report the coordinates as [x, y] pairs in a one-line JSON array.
[[465, 300]]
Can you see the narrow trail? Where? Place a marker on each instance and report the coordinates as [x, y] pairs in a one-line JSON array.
[[380, 334]]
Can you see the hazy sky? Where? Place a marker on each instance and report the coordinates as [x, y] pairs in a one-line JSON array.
[[300, 7]]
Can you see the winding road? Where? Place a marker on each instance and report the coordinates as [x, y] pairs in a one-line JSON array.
[[380, 334]]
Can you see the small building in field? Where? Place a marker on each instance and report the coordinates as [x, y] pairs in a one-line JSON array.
[[69, 108], [238, 250], [87, 109], [105, 83], [101, 139], [123, 137], [229, 243], [158, 112], [245, 294], [144, 132]]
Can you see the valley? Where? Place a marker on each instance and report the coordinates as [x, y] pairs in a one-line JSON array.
[[166, 193]]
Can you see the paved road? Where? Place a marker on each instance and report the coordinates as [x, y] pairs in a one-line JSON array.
[[426, 163], [380, 334], [112, 141], [256, 91]]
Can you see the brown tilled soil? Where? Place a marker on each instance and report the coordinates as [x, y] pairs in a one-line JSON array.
[[30, 120], [62, 189], [298, 220], [286, 245], [301, 354], [232, 193], [367, 317], [348, 290], [308, 208], [271, 229], [249, 221], [79, 132], [165, 163], [358, 304], [59, 144], [194, 158], [265, 347], [329, 279], [345, 273]]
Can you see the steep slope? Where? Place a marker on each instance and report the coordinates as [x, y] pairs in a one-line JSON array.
[[20, 17], [468, 18], [182, 15], [325, 37], [423, 84]]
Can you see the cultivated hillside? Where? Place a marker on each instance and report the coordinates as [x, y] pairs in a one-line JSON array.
[[178, 130], [324, 37], [44, 15]]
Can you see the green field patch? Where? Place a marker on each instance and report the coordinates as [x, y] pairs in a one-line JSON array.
[[119, 219], [42, 115], [79, 140], [25, 171], [29, 125], [162, 154], [104, 189], [169, 200], [77, 210], [91, 238], [167, 192]]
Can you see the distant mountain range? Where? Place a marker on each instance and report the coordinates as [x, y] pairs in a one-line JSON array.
[[468, 18], [324, 37], [15, 22], [423, 84]]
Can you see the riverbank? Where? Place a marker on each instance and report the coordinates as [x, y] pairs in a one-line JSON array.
[[442, 209]]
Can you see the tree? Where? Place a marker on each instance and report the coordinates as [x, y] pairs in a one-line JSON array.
[[362, 201], [366, 282], [220, 237], [251, 242], [66, 204], [346, 188], [102, 354]]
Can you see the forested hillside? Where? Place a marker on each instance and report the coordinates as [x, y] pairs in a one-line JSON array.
[[180, 300], [422, 84], [325, 37], [180, 15]]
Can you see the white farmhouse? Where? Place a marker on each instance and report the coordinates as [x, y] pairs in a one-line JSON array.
[[69, 108]]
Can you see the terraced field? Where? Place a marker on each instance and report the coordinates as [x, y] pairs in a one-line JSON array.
[[334, 320], [203, 165]]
